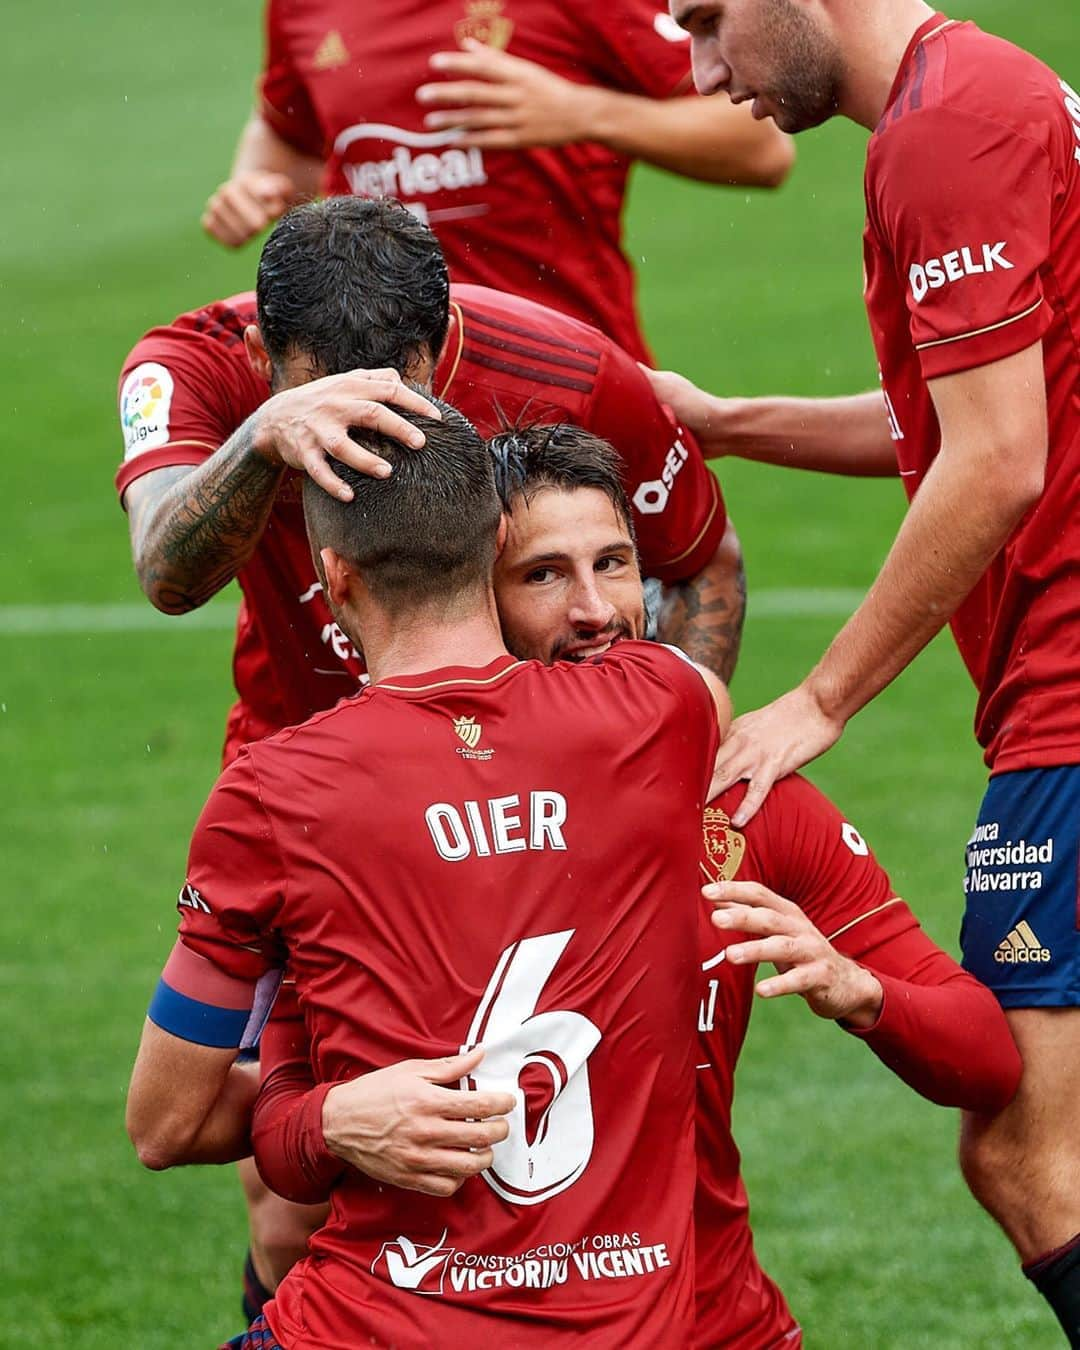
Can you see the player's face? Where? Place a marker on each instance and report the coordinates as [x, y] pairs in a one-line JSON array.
[[776, 53], [567, 582]]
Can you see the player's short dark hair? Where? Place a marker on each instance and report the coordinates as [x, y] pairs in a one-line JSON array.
[[426, 533], [561, 455], [350, 283]]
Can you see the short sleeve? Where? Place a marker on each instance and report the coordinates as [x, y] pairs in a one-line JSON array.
[[643, 50], [182, 394], [679, 514], [963, 204], [235, 883], [283, 97], [815, 857]]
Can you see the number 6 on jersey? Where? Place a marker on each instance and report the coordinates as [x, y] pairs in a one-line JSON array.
[[542, 1059]]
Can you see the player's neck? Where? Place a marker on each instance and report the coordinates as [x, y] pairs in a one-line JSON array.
[[429, 640], [874, 46]]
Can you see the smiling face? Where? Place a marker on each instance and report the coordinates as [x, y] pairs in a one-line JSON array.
[[774, 52], [567, 582]]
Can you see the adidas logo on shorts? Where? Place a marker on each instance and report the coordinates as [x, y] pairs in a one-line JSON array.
[[1021, 947]]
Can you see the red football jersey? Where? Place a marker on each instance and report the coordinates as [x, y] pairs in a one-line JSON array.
[[939, 1030], [340, 83], [972, 251], [937, 1022], [502, 856], [186, 387]]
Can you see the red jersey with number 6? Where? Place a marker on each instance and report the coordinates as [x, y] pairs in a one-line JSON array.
[[972, 252], [524, 879], [340, 83], [186, 387]]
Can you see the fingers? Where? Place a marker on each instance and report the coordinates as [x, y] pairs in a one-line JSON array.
[[245, 206], [804, 979], [473, 121], [749, 893], [477, 60], [756, 791], [451, 1105], [466, 94], [780, 950], [451, 1067]]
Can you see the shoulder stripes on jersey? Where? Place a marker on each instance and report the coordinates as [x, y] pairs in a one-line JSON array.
[[486, 345], [221, 323]]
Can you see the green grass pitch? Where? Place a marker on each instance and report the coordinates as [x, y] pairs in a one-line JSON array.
[[120, 119]]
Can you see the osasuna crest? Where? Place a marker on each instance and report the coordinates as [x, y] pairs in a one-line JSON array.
[[484, 22], [724, 845], [469, 730]]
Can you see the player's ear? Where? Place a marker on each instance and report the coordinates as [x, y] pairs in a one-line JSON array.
[[501, 535], [337, 577], [256, 352]]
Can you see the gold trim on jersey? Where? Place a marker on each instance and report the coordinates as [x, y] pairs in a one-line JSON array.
[[939, 29], [445, 684], [170, 445], [702, 532], [978, 332], [896, 900], [455, 310]]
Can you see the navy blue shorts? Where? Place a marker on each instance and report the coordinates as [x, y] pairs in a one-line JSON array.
[[260, 1337], [1021, 929]]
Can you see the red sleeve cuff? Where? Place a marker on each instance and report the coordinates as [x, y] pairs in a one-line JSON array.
[[698, 553], [995, 341]]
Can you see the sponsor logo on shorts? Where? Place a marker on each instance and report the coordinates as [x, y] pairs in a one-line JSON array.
[[145, 401], [1021, 947], [191, 899], [997, 863], [971, 260]]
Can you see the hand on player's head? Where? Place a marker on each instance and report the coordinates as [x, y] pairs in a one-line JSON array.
[[307, 424]]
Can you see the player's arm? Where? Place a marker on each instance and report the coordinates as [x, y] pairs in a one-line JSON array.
[[988, 472], [193, 529], [703, 615], [268, 176], [406, 1125], [502, 102], [847, 435], [931, 1023], [188, 1103]]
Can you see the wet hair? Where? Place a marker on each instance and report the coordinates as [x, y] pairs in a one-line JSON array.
[[529, 458], [350, 283], [428, 532]]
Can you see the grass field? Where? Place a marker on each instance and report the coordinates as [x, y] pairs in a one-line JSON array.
[[120, 120]]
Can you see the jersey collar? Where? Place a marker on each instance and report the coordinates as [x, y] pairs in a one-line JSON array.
[[465, 676]]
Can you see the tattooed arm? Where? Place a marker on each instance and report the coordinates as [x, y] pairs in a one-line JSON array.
[[193, 529], [704, 614]]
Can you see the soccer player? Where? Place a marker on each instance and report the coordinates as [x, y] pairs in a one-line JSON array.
[[221, 405], [568, 535], [523, 174], [972, 251], [440, 874]]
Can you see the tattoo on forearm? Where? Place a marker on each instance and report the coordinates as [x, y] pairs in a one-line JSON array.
[[201, 531], [704, 615]]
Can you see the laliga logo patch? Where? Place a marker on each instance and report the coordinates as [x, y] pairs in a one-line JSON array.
[[145, 401], [724, 845]]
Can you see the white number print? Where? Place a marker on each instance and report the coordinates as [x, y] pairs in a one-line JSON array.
[[542, 1058]]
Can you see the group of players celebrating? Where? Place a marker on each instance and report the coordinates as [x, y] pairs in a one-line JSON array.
[[450, 881]]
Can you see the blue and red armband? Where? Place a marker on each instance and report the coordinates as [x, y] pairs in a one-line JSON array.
[[198, 1002]]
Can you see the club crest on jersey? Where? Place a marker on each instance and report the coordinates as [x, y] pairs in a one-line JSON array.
[[724, 845], [469, 730], [484, 22], [145, 401]]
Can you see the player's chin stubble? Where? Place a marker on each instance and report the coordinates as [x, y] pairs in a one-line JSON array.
[[807, 87]]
